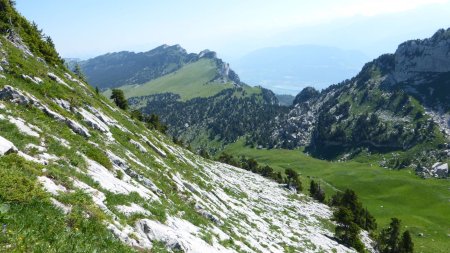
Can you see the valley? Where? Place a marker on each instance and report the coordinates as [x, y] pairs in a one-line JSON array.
[[422, 205]]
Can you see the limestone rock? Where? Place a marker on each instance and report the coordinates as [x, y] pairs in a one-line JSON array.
[[6, 146]]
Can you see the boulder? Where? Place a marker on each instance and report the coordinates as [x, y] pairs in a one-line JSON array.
[[77, 128], [11, 94], [440, 170], [139, 146], [208, 215], [6, 146]]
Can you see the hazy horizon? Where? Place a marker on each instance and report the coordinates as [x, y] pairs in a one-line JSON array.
[[78, 28], [85, 29]]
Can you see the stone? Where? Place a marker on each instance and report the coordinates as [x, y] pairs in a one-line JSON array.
[[58, 80], [77, 128], [139, 146], [440, 170], [11, 94], [6, 146]]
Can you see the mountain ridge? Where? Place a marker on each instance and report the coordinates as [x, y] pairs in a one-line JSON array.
[[130, 68]]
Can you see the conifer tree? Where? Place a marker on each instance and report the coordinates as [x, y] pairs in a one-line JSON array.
[[119, 99], [406, 243]]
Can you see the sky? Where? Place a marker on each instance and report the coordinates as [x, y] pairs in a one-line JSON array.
[[233, 28]]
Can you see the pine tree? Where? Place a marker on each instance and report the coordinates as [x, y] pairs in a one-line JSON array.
[[79, 73], [346, 230], [119, 99], [97, 91], [316, 191], [203, 153], [406, 244], [388, 240], [320, 194], [312, 188], [293, 179]]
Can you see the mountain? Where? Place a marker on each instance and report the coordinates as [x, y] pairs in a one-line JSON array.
[[80, 175], [288, 69], [285, 99], [198, 100], [211, 123], [139, 69], [398, 102]]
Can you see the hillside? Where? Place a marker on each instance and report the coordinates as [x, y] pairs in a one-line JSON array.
[[197, 79], [210, 123], [117, 69], [79, 175], [160, 70]]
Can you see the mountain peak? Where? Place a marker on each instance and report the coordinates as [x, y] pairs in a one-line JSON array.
[[427, 55], [207, 54]]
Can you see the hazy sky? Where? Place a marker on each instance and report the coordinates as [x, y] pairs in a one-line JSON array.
[[86, 28]]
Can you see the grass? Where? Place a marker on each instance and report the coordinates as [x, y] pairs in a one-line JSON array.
[[192, 80], [422, 205], [33, 224]]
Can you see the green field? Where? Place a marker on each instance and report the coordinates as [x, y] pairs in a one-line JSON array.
[[189, 82], [422, 205]]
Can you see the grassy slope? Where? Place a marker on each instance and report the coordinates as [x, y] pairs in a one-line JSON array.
[[422, 205], [189, 82], [32, 221]]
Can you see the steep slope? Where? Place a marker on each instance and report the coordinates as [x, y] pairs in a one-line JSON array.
[[79, 175], [212, 122], [287, 69]]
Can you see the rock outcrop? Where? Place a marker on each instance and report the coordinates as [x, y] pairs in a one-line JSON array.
[[6, 146]]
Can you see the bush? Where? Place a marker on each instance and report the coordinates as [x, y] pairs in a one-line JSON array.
[[97, 155], [15, 184]]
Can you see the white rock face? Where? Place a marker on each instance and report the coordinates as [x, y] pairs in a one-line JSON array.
[[440, 170], [132, 209], [24, 127], [429, 55], [6, 146], [72, 79], [109, 182], [58, 80], [139, 146], [35, 80], [14, 95], [177, 235], [50, 186]]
